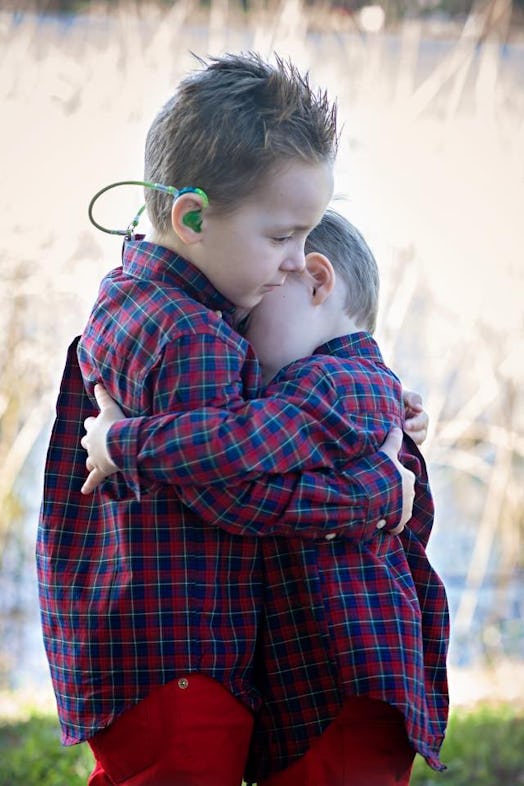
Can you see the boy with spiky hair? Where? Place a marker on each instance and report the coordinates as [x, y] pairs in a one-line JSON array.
[[150, 616]]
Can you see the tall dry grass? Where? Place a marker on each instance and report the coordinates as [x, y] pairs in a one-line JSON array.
[[431, 167]]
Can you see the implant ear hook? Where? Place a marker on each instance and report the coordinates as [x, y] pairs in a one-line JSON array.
[[129, 232]]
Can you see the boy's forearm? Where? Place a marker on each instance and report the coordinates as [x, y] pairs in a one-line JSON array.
[[203, 430], [352, 505], [212, 446], [306, 431], [272, 485]]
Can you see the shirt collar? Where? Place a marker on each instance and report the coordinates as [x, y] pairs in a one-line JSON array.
[[152, 262], [361, 344]]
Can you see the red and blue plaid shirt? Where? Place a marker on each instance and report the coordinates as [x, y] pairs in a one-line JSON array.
[[352, 617], [362, 614], [136, 589]]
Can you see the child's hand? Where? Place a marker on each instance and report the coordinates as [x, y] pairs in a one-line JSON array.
[[416, 421], [99, 463], [391, 448]]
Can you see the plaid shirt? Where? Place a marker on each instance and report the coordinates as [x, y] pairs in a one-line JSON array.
[[135, 591], [349, 618], [363, 614]]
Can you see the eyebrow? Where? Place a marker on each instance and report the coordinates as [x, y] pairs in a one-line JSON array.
[[294, 228]]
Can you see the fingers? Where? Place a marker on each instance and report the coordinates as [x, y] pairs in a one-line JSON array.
[[408, 496], [412, 400], [417, 422], [417, 427], [90, 483], [391, 448], [393, 442], [93, 480], [103, 399], [108, 406], [95, 477]]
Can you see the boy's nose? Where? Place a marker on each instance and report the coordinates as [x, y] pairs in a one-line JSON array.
[[294, 263]]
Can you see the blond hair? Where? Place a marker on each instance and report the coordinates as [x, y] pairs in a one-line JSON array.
[[354, 264]]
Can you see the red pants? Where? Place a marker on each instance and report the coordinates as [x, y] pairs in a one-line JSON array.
[[366, 745], [191, 732]]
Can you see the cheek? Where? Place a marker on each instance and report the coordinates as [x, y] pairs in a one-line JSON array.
[[263, 337]]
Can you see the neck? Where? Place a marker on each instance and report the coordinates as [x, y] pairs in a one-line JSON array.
[[168, 240], [342, 325]]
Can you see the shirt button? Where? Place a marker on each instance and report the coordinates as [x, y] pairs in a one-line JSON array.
[[331, 535], [381, 523], [218, 313], [183, 683]]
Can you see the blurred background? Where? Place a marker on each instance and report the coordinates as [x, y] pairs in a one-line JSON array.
[[430, 168]]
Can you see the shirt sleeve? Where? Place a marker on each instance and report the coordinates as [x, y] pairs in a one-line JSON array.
[[306, 501], [296, 428], [353, 504]]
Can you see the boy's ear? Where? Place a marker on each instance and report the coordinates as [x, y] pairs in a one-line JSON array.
[[186, 217], [321, 270]]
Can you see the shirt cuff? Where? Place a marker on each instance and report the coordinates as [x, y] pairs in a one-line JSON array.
[[383, 484], [122, 445]]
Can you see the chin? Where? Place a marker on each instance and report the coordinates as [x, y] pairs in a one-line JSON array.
[[250, 302]]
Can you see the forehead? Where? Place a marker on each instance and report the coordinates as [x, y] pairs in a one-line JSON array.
[[295, 193]]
